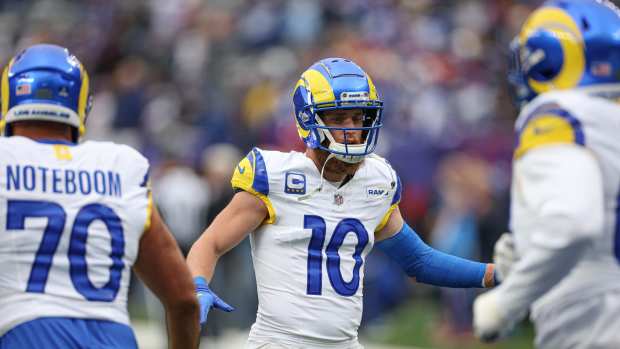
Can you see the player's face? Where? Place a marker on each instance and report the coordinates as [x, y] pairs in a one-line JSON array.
[[345, 118]]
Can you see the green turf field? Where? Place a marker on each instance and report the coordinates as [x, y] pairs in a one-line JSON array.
[[417, 324]]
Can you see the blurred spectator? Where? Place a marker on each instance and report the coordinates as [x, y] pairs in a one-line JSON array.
[[217, 164], [464, 194], [183, 197], [234, 276]]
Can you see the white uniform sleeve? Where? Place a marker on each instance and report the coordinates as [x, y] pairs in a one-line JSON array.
[[137, 191], [560, 188]]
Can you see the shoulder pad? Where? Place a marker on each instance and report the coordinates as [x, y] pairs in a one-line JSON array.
[[251, 174], [391, 175], [396, 188], [546, 125]]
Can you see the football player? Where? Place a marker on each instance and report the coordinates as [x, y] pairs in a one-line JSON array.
[[315, 216], [566, 180], [75, 218]]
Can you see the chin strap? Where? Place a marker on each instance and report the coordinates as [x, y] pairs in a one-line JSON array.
[[320, 187]]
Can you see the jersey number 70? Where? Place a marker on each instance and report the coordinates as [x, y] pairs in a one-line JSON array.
[[19, 210]]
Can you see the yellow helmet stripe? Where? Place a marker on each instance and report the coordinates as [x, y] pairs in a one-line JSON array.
[[83, 100], [300, 82], [372, 89], [318, 86], [5, 95], [561, 24]]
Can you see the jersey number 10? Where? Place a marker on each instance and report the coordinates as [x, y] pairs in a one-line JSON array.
[[19, 210], [315, 254]]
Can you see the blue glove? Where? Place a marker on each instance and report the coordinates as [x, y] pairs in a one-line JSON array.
[[208, 299]]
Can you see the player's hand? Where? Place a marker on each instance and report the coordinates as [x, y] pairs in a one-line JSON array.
[[208, 299], [504, 256], [489, 324]]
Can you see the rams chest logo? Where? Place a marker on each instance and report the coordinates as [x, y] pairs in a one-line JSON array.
[[376, 192]]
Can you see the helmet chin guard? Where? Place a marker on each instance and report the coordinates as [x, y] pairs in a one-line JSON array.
[[349, 153]]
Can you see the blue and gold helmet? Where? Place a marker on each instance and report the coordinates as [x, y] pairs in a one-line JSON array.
[[336, 84], [45, 83], [566, 44]]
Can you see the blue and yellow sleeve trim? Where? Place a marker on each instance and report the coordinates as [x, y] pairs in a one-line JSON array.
[[146, 183], [548, 125], [149, 211], [393, 205], [251, 176]]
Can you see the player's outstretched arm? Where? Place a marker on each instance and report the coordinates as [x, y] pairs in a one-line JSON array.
[[560, 188], [426, 264], [240, 217], [161, 267]]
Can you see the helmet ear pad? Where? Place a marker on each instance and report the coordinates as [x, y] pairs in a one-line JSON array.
[[310, 136], [540, 56]]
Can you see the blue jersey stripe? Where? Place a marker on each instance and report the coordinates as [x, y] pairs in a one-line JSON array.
[[56, 141], [261, 182], [145, 180], [554, 109], [398, 192], [575, 123]]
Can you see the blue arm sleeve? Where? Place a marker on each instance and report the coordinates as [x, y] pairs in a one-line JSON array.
[[428, 265]]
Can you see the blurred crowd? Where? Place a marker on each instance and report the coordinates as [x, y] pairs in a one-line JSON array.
[[194, 84]]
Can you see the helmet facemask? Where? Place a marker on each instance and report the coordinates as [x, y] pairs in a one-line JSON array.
[[518, 87], [349, 151]]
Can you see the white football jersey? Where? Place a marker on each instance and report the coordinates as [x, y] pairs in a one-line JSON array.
[[589, 118], [309, 254], [71, 218]]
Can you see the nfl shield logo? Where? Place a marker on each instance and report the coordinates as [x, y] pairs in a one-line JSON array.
[[338, 199]]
